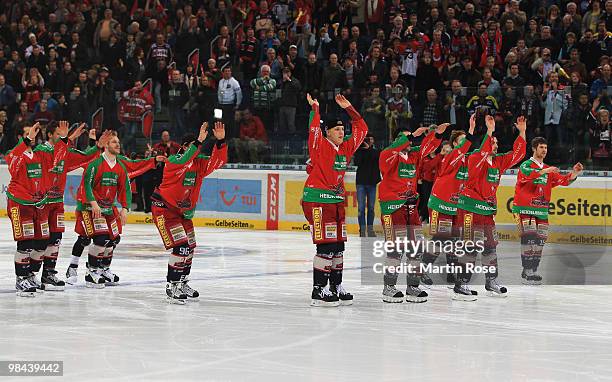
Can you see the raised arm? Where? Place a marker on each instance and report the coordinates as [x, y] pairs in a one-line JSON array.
[[360, 128], [218, 157], [519, 148], [315, 135]]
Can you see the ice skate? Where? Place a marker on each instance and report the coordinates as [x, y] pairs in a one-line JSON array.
[[24, 288], [415, 294], [51, 282], [175, 294], [109, 277], [71, 275], [530, 277], [94, 278], [463, 293], [392, 295], [321, 296], [345, 297], [40, 288], [192, 294], [494, 289]]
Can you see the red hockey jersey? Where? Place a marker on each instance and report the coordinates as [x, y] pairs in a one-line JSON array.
[[399, 171], [30, 171], [325, 183], [57, 175], [133, 169], [532, 191], [183, 176], [450, 180], [479, 194]]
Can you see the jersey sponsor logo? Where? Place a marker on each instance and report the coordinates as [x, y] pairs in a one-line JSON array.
[[467, 226], [44, 229], [406, 170], [100, 225], [493, 175], [28, 229], [447, 208], [178, 233], [191, 240], [109, 179], [58, 168], [542, 179], [462, 174], [388, 227], [114, 228], [317, 213], [273, 201], [17, 232], [190, 179], [160, 222], [433, 224], [59, 222], [340, 163], [34, 170], [331, 231], [87, 224]]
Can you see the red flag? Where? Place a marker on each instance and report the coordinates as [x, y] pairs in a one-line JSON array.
[[147, 124], [171, 67], [148, 85], [134, 8], [97, 118], [194, 60]]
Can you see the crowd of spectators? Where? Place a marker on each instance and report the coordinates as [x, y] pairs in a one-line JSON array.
[[403, 63]]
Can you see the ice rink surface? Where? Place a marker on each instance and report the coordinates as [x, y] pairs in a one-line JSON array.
[[253, 321]]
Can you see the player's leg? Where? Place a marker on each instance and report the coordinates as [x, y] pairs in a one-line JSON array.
[[467, 232], [191, 293], [542, 236], [84, 228], [335, 277], [394, 226], [441, 228], [22, 223], [114, 230], [41, 238], [56, 228], [489, 256], [527, 227], [417, 237], [175, 239], [323, 228], [101, 240]]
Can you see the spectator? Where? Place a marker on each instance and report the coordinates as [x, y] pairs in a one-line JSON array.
[[589, 50], [105, 28], [427, 77], [206, 98], [577, 87], [398, 113], [600, 133], [6, 143], [22, 118], [493, 86], [432, 111], [600, 85], [103, 95], [373, 112], [483, 102], [469, 76], [590, 19], [290, 91], [333, 82], [8, 98], [166, 146], [312, 76], [577, 121], [79, 108], [554, 102], [456, 103], [367, 177], [42, 116], [178, 95], [133, 105], [264, 96], [229, 97], [574, 64], [253, 139]]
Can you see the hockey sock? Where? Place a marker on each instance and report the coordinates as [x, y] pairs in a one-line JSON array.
[[413, 277], [538, 248], [188, 261], [22, 258], [322, 264], [335, 277], [527, 246], [95, 255], [77, 250], [107, 258], [537, 256], [489, 259], [392, 260], [37, 254], [52, 251], [177, 262]]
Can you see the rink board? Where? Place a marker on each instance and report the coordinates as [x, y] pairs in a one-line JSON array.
[[263, 199]]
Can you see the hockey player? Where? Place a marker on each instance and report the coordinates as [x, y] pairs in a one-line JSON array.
[[105, 179], [477, 207], [323, 199], [534, 185], [29, 168], [55, 202], [398, 204], [134, 168], [174, 203], [448, 185]]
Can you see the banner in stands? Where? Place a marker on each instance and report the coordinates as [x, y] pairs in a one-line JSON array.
[[270, 199]]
